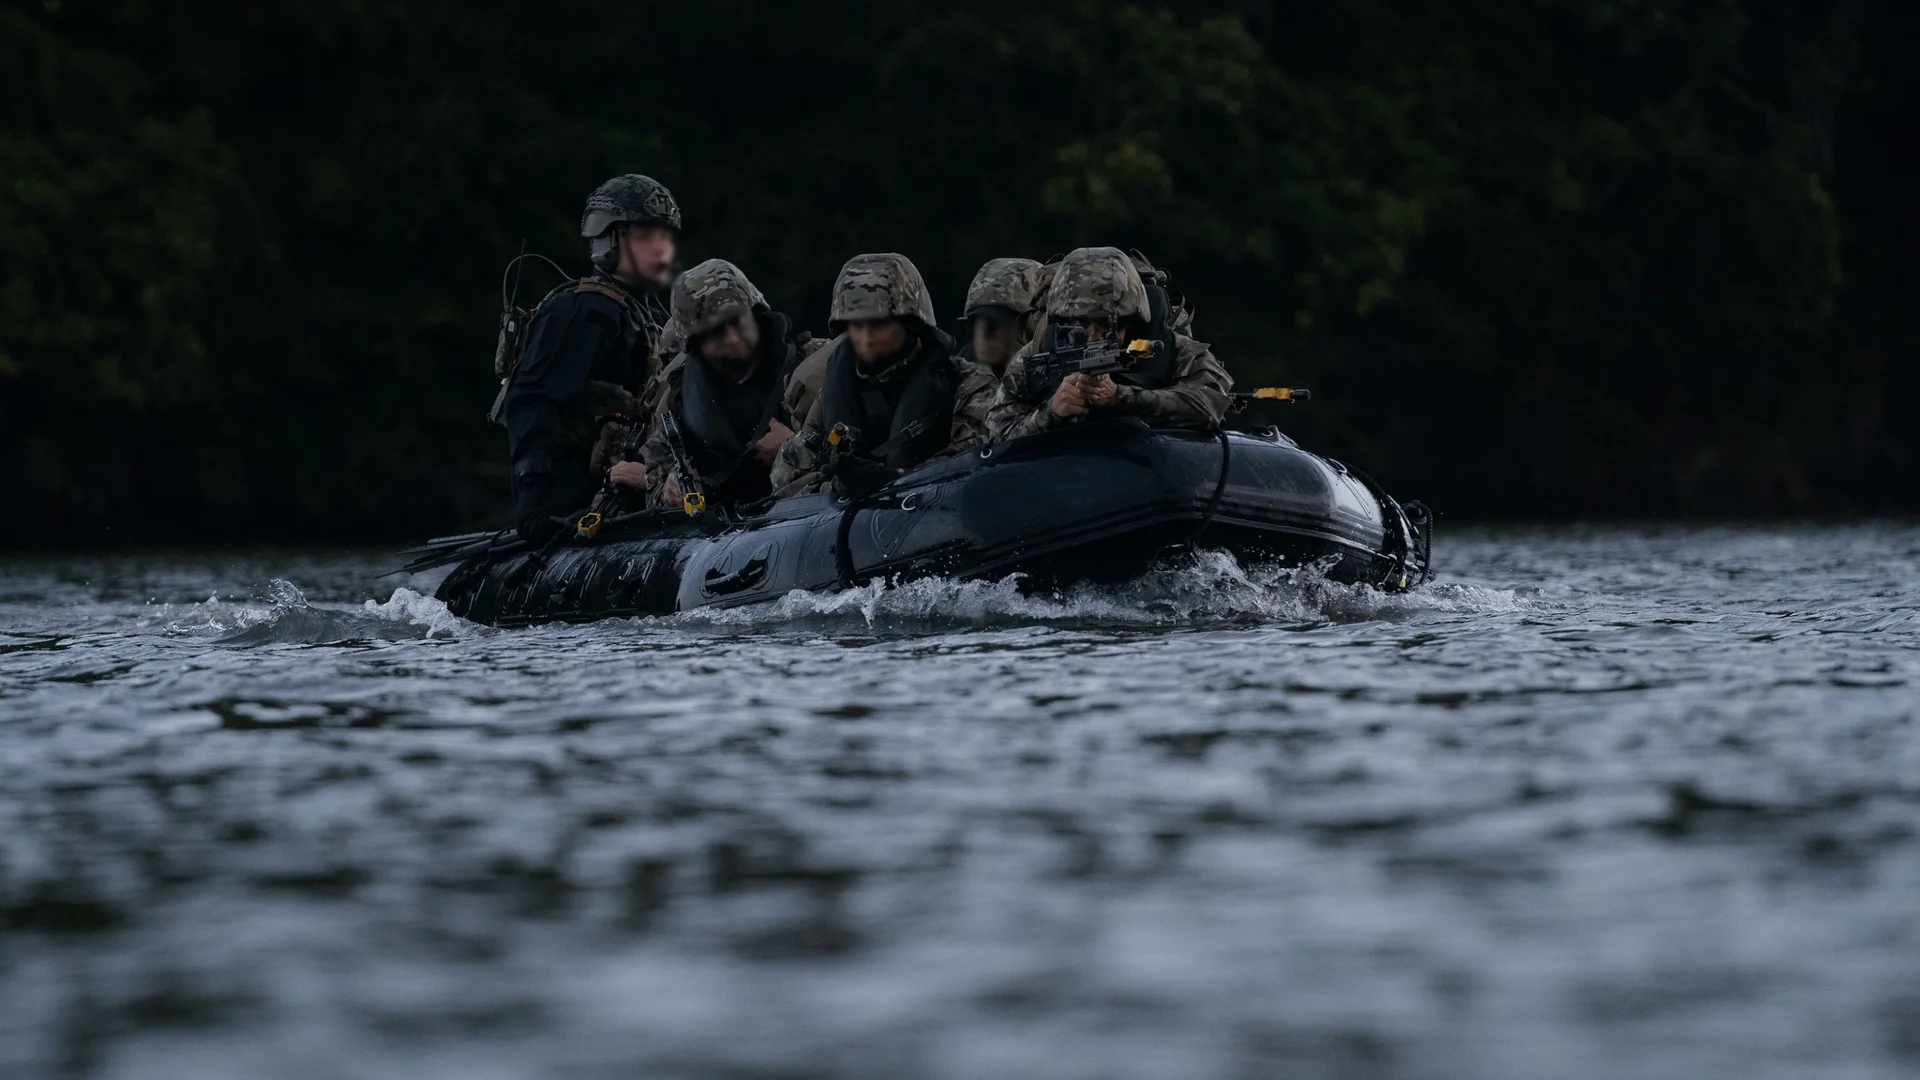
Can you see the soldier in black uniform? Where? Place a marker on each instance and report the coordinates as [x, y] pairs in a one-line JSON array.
[[592, 350]]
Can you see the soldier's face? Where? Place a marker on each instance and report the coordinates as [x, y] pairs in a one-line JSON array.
[[1098, 327], [646, 254], [992, 342], [875, 341], [734, 341]]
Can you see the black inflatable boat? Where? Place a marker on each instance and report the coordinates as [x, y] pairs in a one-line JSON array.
[[1102, 501]]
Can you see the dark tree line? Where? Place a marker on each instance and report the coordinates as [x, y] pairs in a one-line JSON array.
[[1547, 258]]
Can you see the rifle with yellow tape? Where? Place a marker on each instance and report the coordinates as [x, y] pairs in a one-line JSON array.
[[611, 498], [1252, 410], [850, 468], [693, 489], [1074, 352], [1294, 395]]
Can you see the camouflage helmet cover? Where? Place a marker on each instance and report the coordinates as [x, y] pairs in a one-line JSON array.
[[673, 340], [1013, 284], [629, 198], [879, 286], [711, 295], [1097, 282]]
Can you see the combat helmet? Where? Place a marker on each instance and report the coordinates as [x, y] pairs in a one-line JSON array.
[[711, 295], [879, 286], [1098, 282], [627, 199], [1004, 289]]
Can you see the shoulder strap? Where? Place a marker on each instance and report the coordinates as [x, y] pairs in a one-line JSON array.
[[617, 295], [635, 308]]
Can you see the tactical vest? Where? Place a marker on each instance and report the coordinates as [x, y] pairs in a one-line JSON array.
[[883, 413], [516, 332]]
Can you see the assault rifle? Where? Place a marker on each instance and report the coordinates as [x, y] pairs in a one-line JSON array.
[[606, 502], [636, 437], [1074, 353], [1248, 411], [829, 448], [1289, 394], [854, 471], [833, 454], [693, 491]]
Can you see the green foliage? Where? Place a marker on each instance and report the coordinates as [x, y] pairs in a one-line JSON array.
[[108, 217], [1560, 256]]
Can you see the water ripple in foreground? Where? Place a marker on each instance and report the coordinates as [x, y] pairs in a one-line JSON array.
[[1600, 803]]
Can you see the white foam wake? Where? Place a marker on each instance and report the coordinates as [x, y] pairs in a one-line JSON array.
[[287, 617], [1213, 589]]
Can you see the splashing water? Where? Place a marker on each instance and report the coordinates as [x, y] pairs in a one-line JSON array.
[[1598, 803], [1212, 590], [288, 618]]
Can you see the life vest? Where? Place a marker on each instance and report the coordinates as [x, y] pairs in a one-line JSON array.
[[721, 419], [910, 414]]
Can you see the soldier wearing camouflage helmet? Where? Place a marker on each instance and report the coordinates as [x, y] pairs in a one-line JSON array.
[[592, 350], [724, 393], [1001, 307], [1177, 384], [890, 379]]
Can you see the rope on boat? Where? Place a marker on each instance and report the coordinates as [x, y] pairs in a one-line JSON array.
[[1219, 486]]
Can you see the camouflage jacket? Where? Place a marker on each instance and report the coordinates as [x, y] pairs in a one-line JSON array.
[[1198, 398], [803, 386], [797, 472], [612, 439], [654, 453]]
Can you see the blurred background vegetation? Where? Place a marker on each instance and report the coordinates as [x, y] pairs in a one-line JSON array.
[[1538, 258]]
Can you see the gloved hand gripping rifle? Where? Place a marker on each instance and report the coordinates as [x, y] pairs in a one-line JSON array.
[[1072, 352], [853, 473]]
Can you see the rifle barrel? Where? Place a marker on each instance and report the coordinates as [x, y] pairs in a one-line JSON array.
[[693, 491]]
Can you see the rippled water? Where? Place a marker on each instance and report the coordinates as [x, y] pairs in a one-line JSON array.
[[1603, 803]]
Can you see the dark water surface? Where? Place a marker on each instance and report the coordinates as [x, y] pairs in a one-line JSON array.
[[1598, 804]]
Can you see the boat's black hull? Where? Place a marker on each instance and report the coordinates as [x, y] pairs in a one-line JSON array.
[[1092, 502]]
